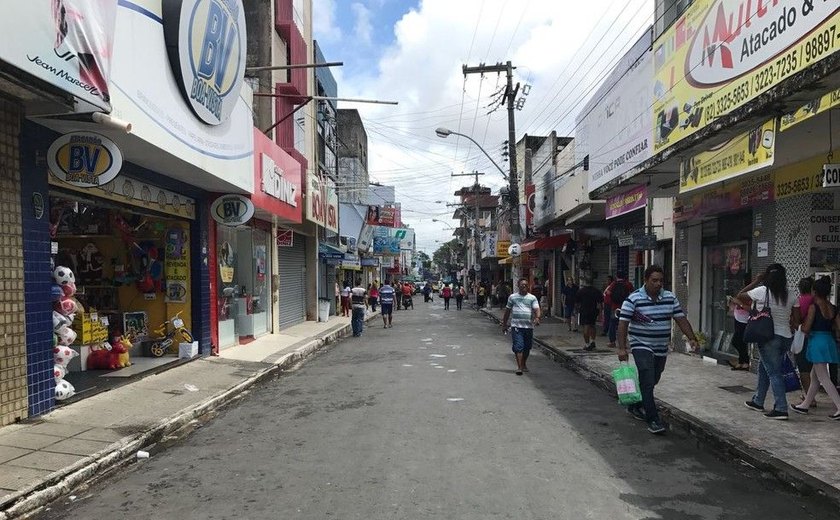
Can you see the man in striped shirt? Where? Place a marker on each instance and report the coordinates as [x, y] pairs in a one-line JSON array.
[[526, 314], [645, 317]]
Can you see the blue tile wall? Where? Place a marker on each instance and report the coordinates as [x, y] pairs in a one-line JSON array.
[[37, 274]]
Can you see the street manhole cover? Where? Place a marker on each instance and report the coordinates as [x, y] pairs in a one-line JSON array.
[[737, 389]]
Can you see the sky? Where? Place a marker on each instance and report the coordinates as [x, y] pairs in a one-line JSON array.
[[412, 52]]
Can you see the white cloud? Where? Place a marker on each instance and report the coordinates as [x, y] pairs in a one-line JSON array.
[[323, 21], [362, 29], [562, 49]]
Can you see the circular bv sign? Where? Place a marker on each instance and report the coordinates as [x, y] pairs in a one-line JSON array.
[[232, 210], [86, 160], [206, 43]]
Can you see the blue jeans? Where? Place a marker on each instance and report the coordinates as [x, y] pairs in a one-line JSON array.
[[358, 321], [650, 370], [613, 330], [522, 339], [770, 372]]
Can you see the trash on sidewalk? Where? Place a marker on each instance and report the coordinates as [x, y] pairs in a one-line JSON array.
[[142, 454], [191, 388]]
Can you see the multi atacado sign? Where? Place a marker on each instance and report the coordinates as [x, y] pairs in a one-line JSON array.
[[84, 159]]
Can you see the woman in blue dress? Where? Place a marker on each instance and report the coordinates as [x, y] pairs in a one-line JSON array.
[[822, 325]]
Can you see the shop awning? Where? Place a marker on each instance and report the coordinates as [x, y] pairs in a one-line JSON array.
[[328, 252], [545, 243]]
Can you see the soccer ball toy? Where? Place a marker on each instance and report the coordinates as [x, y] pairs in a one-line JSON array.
[[63, 275], [59, 371], [66, 335], [515, 250], [62, 355], [64, 390]]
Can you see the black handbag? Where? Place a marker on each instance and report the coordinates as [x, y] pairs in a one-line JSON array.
[[759, 327]]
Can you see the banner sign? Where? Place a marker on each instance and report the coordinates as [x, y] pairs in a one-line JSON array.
[[721, 54], [381, 215], [365, 242], [626, 202], [644, 242], [739, 194], [370, 262], [330, 205], [825, 237], [831, 176], [232, 210], [66, 43], [85, 160], [615, 129], [502, 247], [315, 200], [176, 268], [285, 237], [817, 106], [389, 241], [491, 238], [748, 152], [800, 178], [277, 180]]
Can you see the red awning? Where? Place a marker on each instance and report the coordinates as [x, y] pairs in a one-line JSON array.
[[545, 243]]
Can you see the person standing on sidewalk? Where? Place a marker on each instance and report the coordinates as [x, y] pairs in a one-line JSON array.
[[459, 297], [806, 298], [358, 302], [645, 318], [386, 298], [821, 324], [525, 309], [770, 288], [590, 302], [373, 296], [608, 312], [570, 291], [615, 295]]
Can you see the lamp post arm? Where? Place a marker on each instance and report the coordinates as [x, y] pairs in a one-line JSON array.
[[483, 151]]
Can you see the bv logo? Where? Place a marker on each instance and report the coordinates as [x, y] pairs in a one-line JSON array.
[[84, 159], [232, 210], [206, 42]]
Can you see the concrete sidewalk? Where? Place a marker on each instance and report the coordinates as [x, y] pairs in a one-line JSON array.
[[48, 456], [707, 401]]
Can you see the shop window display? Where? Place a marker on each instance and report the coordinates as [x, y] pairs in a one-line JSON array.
[[132, 282]]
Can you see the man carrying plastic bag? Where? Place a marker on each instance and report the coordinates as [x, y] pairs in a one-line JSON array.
[[627, 384], [645, 318]]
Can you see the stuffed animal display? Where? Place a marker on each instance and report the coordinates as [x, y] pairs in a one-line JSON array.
[[64, 311]]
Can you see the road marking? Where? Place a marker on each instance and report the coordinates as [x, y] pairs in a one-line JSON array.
[[454, 399], [408, 365], [426, 339], [437, 355], [451, 370]]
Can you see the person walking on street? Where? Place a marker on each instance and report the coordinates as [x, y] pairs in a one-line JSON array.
[[459, 297], [398, 293], [358, 301], [337, 298], [617, 292], [770, 290], [570, 291], [345, 300], [481, 298], [740, 317], [645, 320], [446, 294], [806, 298], [590, 302], [386, 298], [821, 324], [525, 309], [608, 313], [427, 292], [373, 296]]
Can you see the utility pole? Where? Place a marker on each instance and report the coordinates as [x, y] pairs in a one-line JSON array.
[[510, 97], [476, 191]]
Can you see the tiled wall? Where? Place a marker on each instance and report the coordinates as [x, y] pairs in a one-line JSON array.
[[13, 392]]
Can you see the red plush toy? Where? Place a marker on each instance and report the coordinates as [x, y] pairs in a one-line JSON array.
[[100, 358]]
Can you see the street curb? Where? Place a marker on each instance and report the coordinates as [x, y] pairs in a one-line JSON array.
[[708, 435], [28, 501]]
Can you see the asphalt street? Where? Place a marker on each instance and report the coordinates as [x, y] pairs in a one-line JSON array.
[[428, 420]]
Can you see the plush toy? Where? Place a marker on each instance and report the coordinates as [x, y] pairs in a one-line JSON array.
[[63, 354], [68, 290], [67, 306], [118, 356], [64, 390], [59, 371], [121, 345], [100, 357], [66, 335], [60, 320], [63, 275]]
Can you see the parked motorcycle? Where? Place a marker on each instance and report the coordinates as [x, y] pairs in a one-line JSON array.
[[166, 335]]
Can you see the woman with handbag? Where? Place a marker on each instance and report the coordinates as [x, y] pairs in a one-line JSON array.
[[821, 325], [772, 322], [804, 366]]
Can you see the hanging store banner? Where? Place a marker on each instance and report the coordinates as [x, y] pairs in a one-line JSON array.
[[825, 238], [626, 202], [615, 129], [285, 237], [365, 242], [491, 239], [746, 153], [330, 205], [315, 207], [502, 247], [817, 106], [800, 178], [177, 265], [390, 241], [381, 215], [277, 180], [66, 43], [721, 54], [831, 176], [740, 194]]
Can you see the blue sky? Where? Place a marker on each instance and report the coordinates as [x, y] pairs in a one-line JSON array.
[[412, 52]]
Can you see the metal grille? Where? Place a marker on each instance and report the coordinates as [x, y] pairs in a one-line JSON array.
[[793, 238], [292, 287]]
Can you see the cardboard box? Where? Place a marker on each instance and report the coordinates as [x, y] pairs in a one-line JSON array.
[[187, 350], [89, 328]]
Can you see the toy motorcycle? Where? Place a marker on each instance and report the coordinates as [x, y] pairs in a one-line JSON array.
[[166, 336]]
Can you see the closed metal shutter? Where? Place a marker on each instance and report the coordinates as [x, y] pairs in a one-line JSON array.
[[600, 261], [292, 289]]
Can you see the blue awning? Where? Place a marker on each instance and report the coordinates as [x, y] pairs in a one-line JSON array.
[[328, 252]]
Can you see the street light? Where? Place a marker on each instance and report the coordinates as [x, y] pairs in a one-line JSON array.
[[445, 132], [442, 222]]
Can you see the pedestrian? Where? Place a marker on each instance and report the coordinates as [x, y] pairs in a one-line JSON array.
[[406, 296], [617, 292], [482, 296], [821, 324], [358, 301], [607, 311], [645, 319], [459, 297], [337, 298], [590, 302], [386, 298], [345, 299], [525, 309], [570, 291], [740, 317], [398, 298], [770, 290], [446, 293], [427, 292], [373, 296], [804, 302]]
